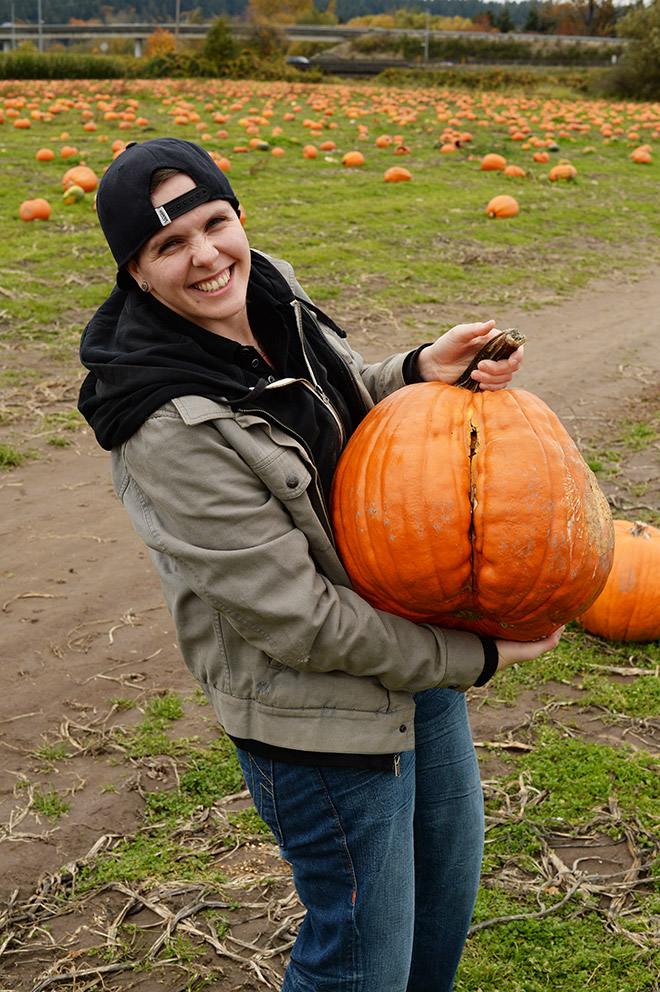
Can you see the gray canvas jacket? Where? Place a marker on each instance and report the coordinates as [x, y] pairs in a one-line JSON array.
[[266, 618]]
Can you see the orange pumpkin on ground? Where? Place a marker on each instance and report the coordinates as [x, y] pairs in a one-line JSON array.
[[502, 206], [45, 155], [352, 159], [515, 170], [38, 209], [564, 170], [493, 162], [471, 510], [397, 174], [642, 155], [81, 175], [628, 608]]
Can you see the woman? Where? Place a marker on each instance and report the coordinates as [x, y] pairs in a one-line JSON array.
[[226, 397]]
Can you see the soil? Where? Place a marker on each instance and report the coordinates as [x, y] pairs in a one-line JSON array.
[[84, 626]]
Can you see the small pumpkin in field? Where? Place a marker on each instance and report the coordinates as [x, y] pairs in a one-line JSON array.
[[516, 171], [628, 608], [502, 206], [563, 170], [642, 155], [38, 209], [352, 159], [471, 510], [492, 162], [44, 155], [80, 175], [397, 174]]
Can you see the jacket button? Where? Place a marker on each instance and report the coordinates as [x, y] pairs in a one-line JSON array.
[[292, 481], [403, 728]]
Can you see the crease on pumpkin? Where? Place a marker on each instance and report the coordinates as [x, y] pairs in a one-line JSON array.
[[472, 495]]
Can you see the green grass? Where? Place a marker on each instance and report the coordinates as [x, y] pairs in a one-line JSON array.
[[205, 775], [563, 952], [51, 804], [10, 457]]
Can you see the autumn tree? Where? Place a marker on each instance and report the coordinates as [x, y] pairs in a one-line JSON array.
[[278, 11], [160, 42], [596, 18]]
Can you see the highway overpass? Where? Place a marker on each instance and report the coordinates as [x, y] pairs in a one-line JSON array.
[[44, 35]]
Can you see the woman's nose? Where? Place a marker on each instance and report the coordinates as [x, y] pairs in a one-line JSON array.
[[204, 251]]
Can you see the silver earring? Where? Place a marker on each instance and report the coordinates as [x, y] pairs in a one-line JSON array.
[[144, 286]]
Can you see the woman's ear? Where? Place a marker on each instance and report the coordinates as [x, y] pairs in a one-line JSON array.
[[133, 269]]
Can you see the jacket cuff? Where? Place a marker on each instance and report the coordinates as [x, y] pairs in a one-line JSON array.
[[491, 658], [464, 658], [410, 370]]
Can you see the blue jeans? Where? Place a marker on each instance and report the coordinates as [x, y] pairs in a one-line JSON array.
[[387, 867]]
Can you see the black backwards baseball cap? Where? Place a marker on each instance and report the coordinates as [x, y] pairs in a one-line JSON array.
[[127, 216]]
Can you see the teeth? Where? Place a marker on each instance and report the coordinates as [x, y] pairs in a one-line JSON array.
[[214, 284]]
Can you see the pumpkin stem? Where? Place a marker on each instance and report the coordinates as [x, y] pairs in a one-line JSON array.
[[639, 529], [501, 346]]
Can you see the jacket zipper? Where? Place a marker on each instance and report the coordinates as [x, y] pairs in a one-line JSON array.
[[316, 385]]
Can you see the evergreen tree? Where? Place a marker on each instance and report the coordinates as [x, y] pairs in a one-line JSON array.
[[219, 47], [503, 20]]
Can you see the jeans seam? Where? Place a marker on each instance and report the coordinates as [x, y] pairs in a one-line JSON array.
[[342, 835], [266, 787]]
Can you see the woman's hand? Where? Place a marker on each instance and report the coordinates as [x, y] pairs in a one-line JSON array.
[[448, 357], [512, 652]]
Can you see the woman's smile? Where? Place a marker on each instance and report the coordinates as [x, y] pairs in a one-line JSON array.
[[215, 283]]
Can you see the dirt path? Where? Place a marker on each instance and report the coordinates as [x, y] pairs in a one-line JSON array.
[[82, 616]]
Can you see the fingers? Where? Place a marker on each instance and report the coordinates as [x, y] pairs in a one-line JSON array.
[[496, 375], [473, 332]]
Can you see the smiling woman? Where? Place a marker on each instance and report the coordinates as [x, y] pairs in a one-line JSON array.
[[199, 263], [227, 396]]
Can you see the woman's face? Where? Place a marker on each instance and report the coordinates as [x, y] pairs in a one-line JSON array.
[[199, 264]]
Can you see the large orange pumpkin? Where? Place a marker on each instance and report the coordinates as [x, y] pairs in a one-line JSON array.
[[628, 608], [471, 510]]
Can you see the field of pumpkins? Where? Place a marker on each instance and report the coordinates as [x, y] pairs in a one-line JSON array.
[[522, 144], [403, 209]]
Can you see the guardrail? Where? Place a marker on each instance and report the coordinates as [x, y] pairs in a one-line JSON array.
[[13, 34]]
